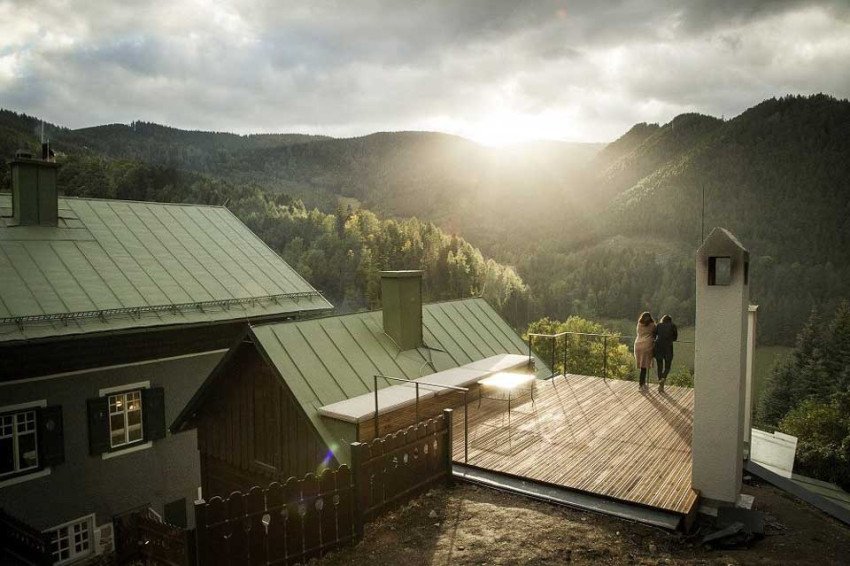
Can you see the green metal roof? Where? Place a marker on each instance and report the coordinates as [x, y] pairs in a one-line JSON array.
[[114, 264], [330, 359]]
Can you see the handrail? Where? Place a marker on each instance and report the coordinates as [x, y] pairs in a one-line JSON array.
[[416, 384], [605, 337]]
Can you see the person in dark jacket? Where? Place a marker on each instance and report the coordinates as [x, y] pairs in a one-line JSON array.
[[665, 334]]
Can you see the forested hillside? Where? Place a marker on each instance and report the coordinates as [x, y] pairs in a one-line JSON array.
[[596, 232], [340, 254], [778, 176]]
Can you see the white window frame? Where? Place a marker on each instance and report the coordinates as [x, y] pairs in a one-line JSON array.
[[19, 475], [136, 445], [73, 553], [122, 402]]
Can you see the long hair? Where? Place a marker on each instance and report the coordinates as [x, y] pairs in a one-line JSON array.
[[645, 318]]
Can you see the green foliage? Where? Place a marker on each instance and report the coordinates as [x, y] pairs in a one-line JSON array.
[[682, 377], [823, 432], [808, 396], [599, 234], [817, 368], [341, 254], [586, 355]]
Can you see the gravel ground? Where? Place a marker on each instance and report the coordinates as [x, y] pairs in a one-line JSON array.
[[471, 525]]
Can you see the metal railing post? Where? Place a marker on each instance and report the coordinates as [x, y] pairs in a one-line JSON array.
[[416, 384], [376, 406], [605, 357], [466, 426], [565, 356], [554, 345]]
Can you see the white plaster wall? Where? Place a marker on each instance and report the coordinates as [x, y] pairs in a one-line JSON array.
[[720, 373]]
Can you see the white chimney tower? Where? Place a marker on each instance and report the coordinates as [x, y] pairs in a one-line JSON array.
[[720, 366]]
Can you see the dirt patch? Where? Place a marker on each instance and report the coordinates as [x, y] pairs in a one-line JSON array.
[[472, 525]]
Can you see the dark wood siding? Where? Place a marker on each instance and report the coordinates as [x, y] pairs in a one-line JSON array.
[[251, 429]]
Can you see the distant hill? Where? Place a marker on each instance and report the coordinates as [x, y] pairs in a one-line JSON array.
[[595, 230], [778, 176]]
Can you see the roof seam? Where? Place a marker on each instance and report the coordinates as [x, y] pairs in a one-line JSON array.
[[152, 233], [262, 270], [365, 353], [480, 337], [321, 361], [71, 273], [197, 263], [206, 249], [124, 247], [46, 278], [151, 256], [445, 329], [294, 363], [499, 326], [343, 356], [265, 245], [214, 245]]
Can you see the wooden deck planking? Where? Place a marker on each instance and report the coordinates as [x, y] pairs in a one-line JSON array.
[[600, 436]]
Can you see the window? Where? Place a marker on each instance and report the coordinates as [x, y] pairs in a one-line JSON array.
[[719, 270], [18, 443], [125, 418], [31, 441], [72, 541]]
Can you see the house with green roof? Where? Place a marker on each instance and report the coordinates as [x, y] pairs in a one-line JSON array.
[[112, 314], [290, 397]]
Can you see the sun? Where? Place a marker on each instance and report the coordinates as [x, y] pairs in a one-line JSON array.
[[504, 128]]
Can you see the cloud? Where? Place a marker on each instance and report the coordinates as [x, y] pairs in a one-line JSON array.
[[560, 69]]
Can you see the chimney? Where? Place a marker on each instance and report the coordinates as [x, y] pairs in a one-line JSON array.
[[35, 200], [401, 296]]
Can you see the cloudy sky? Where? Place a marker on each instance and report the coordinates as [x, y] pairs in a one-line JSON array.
[[496, 71]]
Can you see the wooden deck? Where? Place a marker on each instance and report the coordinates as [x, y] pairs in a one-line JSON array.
[[586, 433]]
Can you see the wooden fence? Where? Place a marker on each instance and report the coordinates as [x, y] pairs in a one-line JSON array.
[[304, 518], [21, 544], [393, 469], [141, 537]]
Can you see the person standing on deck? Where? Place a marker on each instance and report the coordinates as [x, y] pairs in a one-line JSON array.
[[665, 334], [644, 342]]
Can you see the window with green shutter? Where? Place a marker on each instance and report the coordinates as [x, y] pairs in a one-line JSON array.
[[31, 439], [123, 419]]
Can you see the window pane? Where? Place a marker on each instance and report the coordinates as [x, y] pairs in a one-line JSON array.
[[135, 433], [7, 425], [7, 457], [27, 452], [26, 421]]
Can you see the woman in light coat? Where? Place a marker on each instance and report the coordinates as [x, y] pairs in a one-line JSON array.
[[644, 344]]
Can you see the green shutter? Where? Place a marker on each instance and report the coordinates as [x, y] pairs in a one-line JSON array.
[[51, 438], [153, 413], [98, 408]]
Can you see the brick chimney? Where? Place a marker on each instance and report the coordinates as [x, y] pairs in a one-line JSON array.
[[35, 199], [401, 296]]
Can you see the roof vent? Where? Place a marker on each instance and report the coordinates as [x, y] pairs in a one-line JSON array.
[[23, 154]]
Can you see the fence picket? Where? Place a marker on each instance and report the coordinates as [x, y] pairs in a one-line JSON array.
[[305, 518], [294, 529], [255, 507]]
